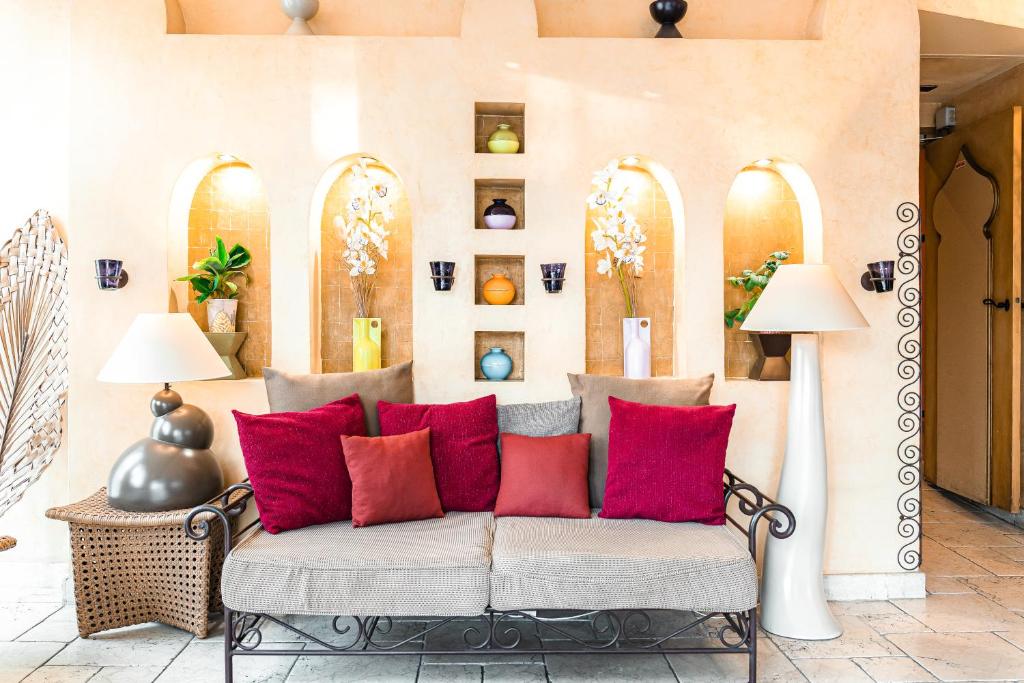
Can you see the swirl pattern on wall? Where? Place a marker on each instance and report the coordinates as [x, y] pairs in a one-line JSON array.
[[909, 395]]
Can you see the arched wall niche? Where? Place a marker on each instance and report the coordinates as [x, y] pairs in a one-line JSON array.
[[729, 19], [221, 195], [333, 305], [772, 206], [337, 17], [658, 207]]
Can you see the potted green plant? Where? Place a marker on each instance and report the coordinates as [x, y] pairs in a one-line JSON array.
[[214, 283], [771, 364]]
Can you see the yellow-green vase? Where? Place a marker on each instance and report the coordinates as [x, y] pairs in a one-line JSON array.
[[365, 344]]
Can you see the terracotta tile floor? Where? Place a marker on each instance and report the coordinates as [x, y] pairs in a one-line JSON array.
[[969, 628]]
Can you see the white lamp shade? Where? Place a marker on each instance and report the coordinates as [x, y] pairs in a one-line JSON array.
[[804, 298], [161, 348]]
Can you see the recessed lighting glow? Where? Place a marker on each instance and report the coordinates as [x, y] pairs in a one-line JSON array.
[[763, 163], [512, 65], [630, 161], [226, 158]]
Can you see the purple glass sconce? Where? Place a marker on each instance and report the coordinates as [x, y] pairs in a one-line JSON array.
[[443, 275], [880, 277], [553, 276], [110, 273]]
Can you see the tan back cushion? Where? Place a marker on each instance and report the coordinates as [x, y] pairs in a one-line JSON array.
[[287, 392], [595, 415]]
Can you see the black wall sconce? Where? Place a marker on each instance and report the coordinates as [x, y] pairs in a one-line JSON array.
[[880, 277], [443, 275], [553, 276], [110, 273]]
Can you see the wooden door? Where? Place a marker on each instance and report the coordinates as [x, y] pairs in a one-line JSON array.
[[974, 367]]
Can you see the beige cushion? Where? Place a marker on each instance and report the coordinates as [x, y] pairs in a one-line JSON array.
[[595, 415], [435, 567], [287, 392], [593, 564]]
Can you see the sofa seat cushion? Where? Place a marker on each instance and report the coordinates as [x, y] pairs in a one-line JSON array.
[[591, 564], [433, 567]]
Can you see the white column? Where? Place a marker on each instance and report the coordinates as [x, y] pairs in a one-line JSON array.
[[793, 596]]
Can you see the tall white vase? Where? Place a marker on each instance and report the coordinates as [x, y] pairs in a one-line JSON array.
[[793, 593], [636, 348], [300, 12]]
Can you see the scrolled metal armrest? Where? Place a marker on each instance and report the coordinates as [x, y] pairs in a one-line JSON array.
[[225, 506], [752, 503]]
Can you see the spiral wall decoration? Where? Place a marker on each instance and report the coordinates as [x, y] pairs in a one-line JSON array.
[[909, 395]]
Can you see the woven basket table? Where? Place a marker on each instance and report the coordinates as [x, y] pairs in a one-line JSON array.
[[136, 567]]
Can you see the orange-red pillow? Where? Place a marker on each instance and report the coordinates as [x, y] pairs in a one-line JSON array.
[[544, 476], [392, 478]]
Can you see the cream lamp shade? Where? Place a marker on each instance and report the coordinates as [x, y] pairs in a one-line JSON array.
[[160, 348], [804, 298]]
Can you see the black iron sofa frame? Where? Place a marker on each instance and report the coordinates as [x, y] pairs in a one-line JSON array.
[[625, 632]]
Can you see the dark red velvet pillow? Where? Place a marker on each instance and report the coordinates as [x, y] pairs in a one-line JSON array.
[[296, 466], [392, 478], [463, 447], [666, 462], [544, 476]]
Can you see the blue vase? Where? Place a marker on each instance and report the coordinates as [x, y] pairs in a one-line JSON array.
[[496, 365]]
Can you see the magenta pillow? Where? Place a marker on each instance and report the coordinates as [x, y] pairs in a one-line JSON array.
[[296, 465], [666, 462], [463, 447]]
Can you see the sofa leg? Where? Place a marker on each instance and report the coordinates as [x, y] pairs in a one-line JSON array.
[[752, 637], [229, 629]]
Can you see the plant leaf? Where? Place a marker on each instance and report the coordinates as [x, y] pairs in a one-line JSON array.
[[222, 251]]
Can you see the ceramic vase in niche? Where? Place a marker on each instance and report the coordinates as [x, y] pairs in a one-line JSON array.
[[503, 141], [636, 348], [496, 365], [553, 276], [442, 274], [499, 290], [771, 364], [365, 344], [500, 216], [221, 315], [668, 13], [300, 12]]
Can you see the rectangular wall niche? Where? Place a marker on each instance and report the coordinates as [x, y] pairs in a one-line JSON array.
[[490, 114], [495, 188], [513, 343], [513, 267]]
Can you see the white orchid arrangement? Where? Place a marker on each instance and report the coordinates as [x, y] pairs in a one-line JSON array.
[[364, 229], [618, 238]]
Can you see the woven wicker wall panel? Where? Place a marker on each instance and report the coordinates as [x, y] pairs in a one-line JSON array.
[[34, 347]]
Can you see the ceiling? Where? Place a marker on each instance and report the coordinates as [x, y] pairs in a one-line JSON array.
[[958, 54]]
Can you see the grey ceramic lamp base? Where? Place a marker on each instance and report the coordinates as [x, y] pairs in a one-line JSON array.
[[172, 468]]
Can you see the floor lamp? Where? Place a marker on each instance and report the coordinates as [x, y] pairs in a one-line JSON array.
[[802, 300]]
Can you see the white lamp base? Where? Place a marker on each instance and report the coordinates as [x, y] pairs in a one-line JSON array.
[[793, 601]]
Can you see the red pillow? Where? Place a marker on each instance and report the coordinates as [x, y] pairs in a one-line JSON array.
[[544, 476], [295, 463], [392, 478], [463, 447], [666, 462]]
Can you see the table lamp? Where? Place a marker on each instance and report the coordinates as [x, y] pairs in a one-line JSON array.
[[173, 467], [802, 300]]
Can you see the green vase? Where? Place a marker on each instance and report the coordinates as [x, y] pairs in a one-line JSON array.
[[365, 344], [504, 140]]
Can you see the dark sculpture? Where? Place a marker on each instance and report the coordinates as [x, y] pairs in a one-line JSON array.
[[668, 13], [173, 467]]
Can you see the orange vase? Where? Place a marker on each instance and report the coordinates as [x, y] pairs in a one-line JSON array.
[[499, 290]]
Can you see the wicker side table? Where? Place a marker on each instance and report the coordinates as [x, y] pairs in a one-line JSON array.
[[136, 567]]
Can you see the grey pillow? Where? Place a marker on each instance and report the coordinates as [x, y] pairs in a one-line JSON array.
[[288, 392], [554, 418], [595, 415]]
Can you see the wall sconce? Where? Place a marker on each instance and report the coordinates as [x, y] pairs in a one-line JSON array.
[[553, 276], [880, 277], [443, 275], [110, 273]]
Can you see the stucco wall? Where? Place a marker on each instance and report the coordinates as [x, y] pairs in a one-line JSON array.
[[145, 104]]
